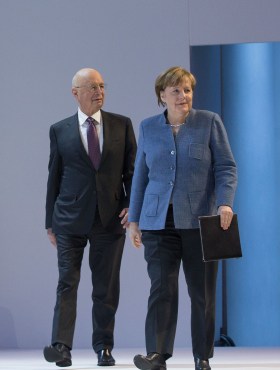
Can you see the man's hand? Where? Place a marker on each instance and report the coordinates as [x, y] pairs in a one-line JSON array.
[[124, 214], [51, 237]]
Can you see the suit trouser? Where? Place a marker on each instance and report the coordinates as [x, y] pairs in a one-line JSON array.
[[164, 251], [105, 260]]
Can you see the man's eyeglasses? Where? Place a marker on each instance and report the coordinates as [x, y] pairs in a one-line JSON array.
[[93, 87]]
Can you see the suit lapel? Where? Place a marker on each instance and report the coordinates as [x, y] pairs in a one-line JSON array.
[[75, 140], [110, 133]]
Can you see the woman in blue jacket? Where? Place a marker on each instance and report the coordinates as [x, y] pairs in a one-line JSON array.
[[184, 169]]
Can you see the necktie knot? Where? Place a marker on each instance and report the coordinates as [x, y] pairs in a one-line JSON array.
[[91, 121]]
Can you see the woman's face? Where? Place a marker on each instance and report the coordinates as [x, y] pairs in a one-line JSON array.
[[178, 99]]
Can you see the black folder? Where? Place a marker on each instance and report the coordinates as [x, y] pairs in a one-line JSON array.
[[217, 243]]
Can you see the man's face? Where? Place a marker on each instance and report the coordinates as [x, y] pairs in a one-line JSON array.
[[90, 92]]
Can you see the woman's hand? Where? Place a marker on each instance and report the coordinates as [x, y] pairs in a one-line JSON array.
[[135, 234], [226, 216]]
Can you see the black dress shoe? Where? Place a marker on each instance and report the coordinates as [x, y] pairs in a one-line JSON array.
[[105, 358], [153, 361], [201, 364], [59, 353]]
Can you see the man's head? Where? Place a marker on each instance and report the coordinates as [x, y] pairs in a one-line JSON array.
[[88, 89]]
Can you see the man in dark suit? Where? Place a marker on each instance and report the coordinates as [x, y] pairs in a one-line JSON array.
[[90, 172]]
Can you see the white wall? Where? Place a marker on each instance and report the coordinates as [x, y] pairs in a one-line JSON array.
[[43, 43], [233, 21]]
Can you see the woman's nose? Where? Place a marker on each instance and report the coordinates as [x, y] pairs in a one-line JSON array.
[[182, 94]]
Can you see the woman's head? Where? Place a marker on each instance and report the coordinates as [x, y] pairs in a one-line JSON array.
[[173, 76]]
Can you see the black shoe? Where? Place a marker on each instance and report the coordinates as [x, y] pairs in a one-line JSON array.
[[59, 353], [153, 361], [105, 358], [201, 364]]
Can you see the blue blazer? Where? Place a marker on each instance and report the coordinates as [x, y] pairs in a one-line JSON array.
[[195, 171]]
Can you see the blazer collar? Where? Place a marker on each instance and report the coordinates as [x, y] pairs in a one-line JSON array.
[[163, 118]]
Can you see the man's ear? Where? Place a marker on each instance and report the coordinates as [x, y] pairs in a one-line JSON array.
[[74, 92]]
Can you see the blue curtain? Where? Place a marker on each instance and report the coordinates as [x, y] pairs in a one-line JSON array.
[[248, 77]]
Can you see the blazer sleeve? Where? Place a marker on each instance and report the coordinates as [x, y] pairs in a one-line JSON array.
[[139, 182], [224, 165], [54, 178]]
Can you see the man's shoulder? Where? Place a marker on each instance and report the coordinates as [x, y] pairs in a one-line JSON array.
[[65, 121], [114, 116]]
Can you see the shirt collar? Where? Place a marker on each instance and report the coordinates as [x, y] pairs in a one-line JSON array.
[[82, 117]]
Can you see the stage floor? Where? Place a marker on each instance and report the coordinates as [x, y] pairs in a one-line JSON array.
[[232, 358]]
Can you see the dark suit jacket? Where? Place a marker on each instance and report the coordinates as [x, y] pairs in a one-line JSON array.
[[75, 188]]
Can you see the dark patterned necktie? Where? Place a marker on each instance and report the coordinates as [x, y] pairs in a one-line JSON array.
[[93, 143]]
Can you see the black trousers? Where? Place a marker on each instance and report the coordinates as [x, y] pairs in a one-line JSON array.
[[164, 252], [105, 255]]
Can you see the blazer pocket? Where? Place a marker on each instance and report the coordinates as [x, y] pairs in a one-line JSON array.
[[151, 205], [68, 200], [196, 151], [199, 203]]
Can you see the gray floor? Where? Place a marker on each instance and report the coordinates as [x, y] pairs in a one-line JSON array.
[[232, 358]]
